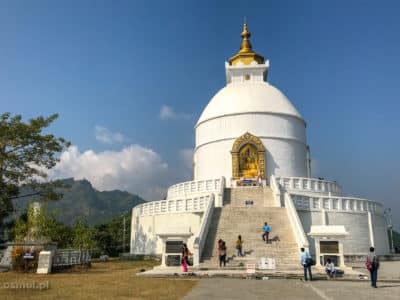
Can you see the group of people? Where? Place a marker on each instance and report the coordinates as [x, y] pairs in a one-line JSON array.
[[222, 250], [306, 260], [372, 265], [239, 245]]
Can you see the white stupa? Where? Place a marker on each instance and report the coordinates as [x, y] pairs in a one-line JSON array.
[[248, 103], [252, 164]]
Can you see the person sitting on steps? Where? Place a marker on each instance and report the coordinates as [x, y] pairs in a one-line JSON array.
[[330, 268]]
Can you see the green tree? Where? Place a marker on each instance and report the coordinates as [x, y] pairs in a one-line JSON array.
[[25, 155], [109, 236], [82, 236], [41, 226]]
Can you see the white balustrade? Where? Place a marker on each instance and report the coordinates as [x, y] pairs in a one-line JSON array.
[[204, 227], [350, 204], [309, 185], [276, 191], [295, 222], [183, 189], [190, 204]]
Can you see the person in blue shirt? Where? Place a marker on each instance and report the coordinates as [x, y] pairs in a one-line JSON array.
[[304, 261], [265, 235]]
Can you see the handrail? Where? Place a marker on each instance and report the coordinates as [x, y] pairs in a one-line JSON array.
[[301, 239], [276, 191], [309, 185], [199, 242], [220, 197]]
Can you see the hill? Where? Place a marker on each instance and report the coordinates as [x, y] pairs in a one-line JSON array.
[[82, 200]]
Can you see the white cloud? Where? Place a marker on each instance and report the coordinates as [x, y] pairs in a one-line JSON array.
[[105, 136], [135, 169], [168, 113]]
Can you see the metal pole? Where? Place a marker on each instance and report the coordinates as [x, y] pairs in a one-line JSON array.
[[390, 226], [391, 238], [123, 237], [391, 230]]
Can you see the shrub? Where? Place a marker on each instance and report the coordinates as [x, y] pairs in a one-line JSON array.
[[19, 263]]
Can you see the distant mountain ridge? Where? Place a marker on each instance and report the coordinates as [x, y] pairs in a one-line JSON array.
[[81, 200]]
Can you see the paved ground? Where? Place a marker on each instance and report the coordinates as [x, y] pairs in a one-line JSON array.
[[388, 270], [231, 288]]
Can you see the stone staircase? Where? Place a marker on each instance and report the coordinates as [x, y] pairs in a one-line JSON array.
[[235, 218]]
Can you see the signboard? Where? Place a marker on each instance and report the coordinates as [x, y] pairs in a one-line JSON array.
[[251, 268], [173, 260], [267, 263], [173, 247], [329, 246], [28, 256]]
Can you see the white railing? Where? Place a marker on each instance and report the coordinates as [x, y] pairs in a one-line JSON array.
[[190, 204], [310, 185], [294, 220], [276, 191], [184, 189], [200, 240], [349, 204]]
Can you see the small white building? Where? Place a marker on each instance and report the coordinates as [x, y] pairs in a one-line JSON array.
[[250, 133]]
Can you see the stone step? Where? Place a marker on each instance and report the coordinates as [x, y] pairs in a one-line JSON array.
[[261, 196], [236, 218]]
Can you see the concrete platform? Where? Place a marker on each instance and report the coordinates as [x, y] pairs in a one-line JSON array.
[[388, 272], [318, 273]]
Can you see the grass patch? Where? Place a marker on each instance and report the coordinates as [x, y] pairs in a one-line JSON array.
[[104, 280]]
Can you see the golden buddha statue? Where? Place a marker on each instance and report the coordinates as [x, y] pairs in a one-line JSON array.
[[249, 168]]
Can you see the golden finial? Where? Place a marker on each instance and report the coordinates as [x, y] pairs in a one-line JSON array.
[[246, 55], [245, 46]]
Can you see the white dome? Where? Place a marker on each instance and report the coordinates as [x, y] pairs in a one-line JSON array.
[[248, 97]]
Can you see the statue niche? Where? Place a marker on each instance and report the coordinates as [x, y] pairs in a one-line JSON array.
[[248, 157]]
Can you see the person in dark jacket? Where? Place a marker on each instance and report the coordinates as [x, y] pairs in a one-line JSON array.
[[373, 266]]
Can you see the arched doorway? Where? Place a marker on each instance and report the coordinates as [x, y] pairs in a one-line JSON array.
[[248, 157]]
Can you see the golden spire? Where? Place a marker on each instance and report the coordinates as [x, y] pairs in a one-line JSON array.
[[245, 46], [246, 55]]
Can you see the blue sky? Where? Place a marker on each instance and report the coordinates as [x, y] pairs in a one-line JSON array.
[[109, 67]]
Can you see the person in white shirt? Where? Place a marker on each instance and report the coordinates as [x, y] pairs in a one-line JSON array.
[[330, 268]]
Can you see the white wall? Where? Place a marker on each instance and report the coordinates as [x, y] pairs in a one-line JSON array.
[[283, 137], [381, 240], [144, 229], [258, 124], [356, 224]]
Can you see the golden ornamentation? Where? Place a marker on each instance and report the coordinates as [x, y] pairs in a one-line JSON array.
[[246, 55], [248, 157]]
